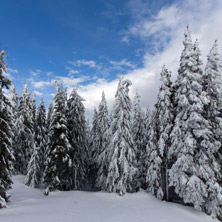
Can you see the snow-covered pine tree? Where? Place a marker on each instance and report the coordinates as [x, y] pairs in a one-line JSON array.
[[13, 108], [121, 155], [58, 172], [139, 132], [154, 161], [103, 135], [147, 122], [93, 151], [34, 110], [48, 123], [193, 165], [77, 138], [157, 174], [33, 176], [213, 112], [25, 131], [6, 155], [36, 164], [49, 115]]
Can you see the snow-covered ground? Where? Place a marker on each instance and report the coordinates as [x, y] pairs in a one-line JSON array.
[[30, 205]]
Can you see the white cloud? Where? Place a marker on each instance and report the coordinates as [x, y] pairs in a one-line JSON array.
[[121, 64], [10, 70], [35, 73], [71, 71], [89, 63], [41, 84], [70, 82], [37, 93], [164, 34]]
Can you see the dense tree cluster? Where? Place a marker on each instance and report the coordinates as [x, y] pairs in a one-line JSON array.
[[173, 151]]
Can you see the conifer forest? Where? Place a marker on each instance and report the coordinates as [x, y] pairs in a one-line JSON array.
[[173, 150]]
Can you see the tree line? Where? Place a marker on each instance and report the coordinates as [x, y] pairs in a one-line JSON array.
[[173, 151]]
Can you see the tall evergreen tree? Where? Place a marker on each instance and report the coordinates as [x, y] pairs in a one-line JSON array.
[[157, 174], [103, 138], [58, 172], [49, 116], [13, 108], [48, 124], [6, 155], [25, 131], [138, 131], [213, 112], [193, 165], [93, 151], [121, 155], [77, 138], [36, 164]]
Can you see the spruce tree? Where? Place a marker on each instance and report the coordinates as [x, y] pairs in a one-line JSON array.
[[36, 164], [93, 151], [49, 116], [138, 131], [58, 172], [103, 138], [26, 134], [77, 138], [121, 155], [157, 175], [48, 123], [213, 112], [193, 165], [13, 108], [6, 155]]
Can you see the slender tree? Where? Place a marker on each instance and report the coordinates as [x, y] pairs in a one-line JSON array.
[[36, 164], [6, 155], [157, 174], [13, 108], [121, 155], [213, 112], [103, 139], [138, 131], [77, 138], [58, 172], [93, 151], [26, 134]]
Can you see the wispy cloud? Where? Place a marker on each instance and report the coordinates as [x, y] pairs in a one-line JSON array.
[[41, 84], [119, 65], [35, 73], [89, 63], [37, 93], [10, 70], [71, 71]]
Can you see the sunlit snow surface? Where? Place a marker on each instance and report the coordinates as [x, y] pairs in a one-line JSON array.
[[30, 205]]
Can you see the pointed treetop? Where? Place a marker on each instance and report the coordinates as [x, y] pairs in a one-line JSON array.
[[165, 73], [25, 88], [196, 44], [3, 65], [103, 94], [188, 40], [214, 50], [34, 96], [57, 86], [42, 101]]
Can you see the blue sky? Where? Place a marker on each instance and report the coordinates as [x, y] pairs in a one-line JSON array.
[[91, 43]]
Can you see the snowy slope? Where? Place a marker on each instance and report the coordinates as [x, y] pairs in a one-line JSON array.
[[30, 205]]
